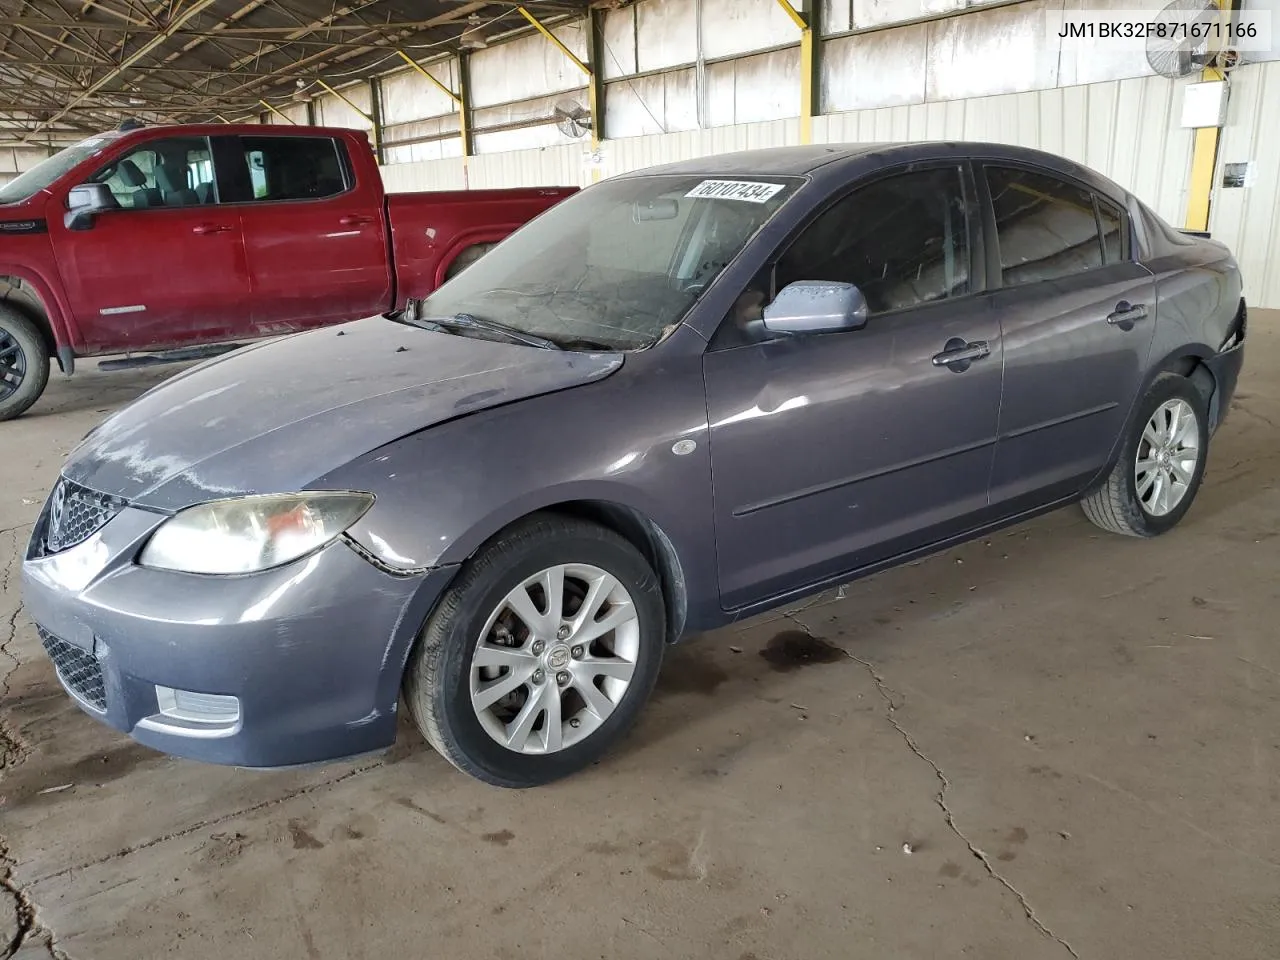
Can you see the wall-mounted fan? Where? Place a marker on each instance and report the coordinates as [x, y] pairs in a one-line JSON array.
[[572, 119], [1181, 53]]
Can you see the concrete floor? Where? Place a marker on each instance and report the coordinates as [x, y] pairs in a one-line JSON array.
[[1047, 744]]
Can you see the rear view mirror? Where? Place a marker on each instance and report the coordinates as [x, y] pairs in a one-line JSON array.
[[643, 210], [84, 202], [816, 306]]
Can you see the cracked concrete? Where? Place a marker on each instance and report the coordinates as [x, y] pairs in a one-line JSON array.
[[1090, 771]]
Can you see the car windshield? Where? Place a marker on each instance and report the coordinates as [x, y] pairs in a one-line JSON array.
[[616, 266], [47, 171]]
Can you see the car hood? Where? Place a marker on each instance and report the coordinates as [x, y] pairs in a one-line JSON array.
[[275, 416]]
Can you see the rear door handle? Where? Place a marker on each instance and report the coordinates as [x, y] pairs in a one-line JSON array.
[[958, 354], [1126, 312], [206, 228], [355, 220]]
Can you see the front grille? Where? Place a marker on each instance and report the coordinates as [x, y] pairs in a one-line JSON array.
[[79, 670], [76, 513]]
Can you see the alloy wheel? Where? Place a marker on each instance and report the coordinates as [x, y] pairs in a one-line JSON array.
[[1167, 456], [13, 364], [555, 658]]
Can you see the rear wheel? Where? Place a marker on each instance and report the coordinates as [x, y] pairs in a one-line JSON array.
[[24, 363], [541, 655], [1160, 468]]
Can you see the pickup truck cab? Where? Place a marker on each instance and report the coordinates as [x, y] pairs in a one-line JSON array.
[[184, 239]]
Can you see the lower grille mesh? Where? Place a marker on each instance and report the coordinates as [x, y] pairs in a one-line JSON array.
[[79, 670]]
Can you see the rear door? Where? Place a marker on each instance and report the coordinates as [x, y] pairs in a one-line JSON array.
[[167, 266], [834, 451], [315, 238], [1077, 315]]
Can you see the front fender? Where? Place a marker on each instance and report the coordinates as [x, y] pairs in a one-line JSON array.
[[442, 492]]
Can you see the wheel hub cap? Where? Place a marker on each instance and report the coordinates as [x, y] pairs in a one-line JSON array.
[[558, 657]]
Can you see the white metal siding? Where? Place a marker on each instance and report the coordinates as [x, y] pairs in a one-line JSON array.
[[1247, 219]]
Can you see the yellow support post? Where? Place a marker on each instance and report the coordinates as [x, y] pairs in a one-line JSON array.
[[276, 112], [537, 25], [459, 99], [1204, 159], [595, 98], [807, 22], [374, 126]]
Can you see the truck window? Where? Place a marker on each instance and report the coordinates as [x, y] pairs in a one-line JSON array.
[[293, 168], [177, 172]]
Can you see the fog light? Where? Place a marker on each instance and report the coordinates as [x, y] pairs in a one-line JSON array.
[[209, 708]]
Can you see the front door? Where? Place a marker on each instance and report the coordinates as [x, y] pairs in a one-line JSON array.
[[834, 451], [316, 240], [1078, 316], [167, 267]]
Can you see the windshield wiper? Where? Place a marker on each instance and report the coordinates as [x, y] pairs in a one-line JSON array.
[[467, 321]]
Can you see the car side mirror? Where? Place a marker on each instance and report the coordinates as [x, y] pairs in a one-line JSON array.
[[85, 202], [816, 306]]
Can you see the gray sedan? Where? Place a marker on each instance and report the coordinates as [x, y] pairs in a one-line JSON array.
[[679, 398]]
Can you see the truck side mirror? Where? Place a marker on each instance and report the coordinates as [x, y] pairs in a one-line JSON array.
[[86, 201]]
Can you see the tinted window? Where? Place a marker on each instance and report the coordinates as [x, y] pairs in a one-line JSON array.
[[293, 168], [177, 172], [1111, 221], [903, 241], [1046, 228]]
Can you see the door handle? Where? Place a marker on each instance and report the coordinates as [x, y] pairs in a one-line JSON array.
[[355, 220], [959, 354], [1126, 312], [203, 229]]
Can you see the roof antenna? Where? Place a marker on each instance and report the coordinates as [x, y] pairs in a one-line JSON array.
[[129, 123]]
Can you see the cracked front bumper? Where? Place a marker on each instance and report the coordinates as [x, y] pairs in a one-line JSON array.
[[312, 652]]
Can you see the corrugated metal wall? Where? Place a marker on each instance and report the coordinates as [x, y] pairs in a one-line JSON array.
[[1247, 218], [1126, 129]]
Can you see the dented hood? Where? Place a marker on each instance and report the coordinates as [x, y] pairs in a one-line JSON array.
[[275, 416]]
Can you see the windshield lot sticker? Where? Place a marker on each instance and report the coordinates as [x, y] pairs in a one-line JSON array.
[[749, 190]]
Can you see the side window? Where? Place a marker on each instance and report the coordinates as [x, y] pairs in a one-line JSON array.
[[177, 172], [1112, 223], [466, 258], [903, 241], [1046, 229], [293, 168]]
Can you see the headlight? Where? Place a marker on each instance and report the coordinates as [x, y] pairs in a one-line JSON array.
[[249, 534]]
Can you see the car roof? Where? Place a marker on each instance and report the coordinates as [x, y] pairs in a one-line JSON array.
[[801, 160]]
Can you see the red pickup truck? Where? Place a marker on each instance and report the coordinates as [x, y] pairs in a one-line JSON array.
[[183, 239]]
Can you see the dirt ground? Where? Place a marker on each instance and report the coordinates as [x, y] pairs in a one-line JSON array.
[[1052, 743]]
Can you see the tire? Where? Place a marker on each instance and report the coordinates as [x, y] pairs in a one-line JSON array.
[[1127, 505], [475, 613], [24, 363]]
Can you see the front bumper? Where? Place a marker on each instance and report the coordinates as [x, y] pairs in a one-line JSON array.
[[312, 652]]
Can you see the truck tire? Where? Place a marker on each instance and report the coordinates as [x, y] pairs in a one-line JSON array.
[[24, 363]]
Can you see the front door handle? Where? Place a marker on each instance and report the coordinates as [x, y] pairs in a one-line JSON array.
[[355, 220], [958, 354], [207, 228], [1126, 312]]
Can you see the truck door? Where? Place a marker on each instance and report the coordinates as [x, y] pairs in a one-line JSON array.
[[315, 236], [167, 267]]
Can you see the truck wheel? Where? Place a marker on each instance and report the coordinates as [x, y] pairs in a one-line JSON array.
[[1160, 467], [24, 363], [540, 655]]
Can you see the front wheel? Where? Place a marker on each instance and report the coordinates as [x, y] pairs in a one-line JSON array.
[[24, 363], [1156, 478], [541, 655]]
